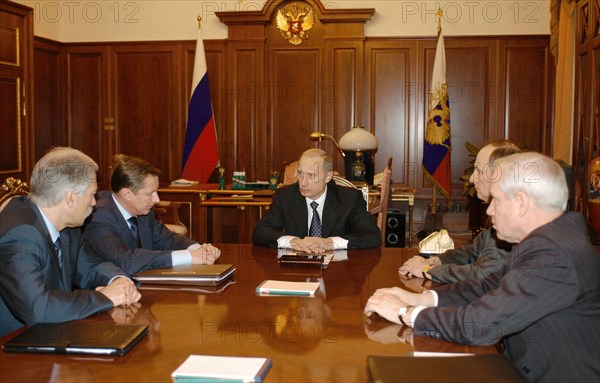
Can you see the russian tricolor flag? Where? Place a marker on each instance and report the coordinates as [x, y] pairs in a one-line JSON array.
[[200, 153]]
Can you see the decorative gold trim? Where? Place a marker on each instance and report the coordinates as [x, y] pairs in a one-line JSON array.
[[19, 150], [294, 21], [18, 62]]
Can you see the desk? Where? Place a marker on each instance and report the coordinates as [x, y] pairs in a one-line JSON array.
[[199, 202], [320, 339]]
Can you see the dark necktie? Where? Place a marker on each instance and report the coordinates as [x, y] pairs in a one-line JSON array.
[[315, 225], [133, 225], [58, 250]]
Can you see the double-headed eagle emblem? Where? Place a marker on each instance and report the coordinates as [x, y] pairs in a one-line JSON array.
[[294, 21]]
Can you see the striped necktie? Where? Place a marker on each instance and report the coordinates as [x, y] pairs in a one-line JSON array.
[[57, 248]]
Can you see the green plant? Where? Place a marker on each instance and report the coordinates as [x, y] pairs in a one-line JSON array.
[[468, 188]]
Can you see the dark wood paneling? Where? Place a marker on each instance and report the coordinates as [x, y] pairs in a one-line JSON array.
[[528, 70], [390, 72], [10, 152], [341, 93], [268, 96], [49, 105], [86, 89], [294, 100], [245, 101], [145, 110]]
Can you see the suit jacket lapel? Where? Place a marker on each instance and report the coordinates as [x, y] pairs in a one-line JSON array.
[[329, 217], [301, 210], [41, 226], [144, 232], [128, 237]]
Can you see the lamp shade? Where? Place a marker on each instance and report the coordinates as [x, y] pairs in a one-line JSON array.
[[358, 138]]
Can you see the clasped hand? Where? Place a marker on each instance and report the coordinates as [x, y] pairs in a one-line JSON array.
[[205, 254], [121, 291], [312, 245]]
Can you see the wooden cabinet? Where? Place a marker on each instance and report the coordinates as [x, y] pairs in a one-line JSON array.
[[16, 37]]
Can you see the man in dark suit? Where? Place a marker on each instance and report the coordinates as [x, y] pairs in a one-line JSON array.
[[486, 254], [315, 214], [545, 307], [124, 229], [46, 276]]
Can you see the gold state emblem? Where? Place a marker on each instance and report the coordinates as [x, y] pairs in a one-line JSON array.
[[294, 21]]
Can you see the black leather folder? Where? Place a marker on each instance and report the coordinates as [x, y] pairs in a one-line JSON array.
[[442, 369], [78, 338]]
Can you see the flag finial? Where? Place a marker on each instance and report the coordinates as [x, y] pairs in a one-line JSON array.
[[439, 19], [199, 18]]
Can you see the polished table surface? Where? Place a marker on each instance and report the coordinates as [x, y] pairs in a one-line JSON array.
[[325, 338]]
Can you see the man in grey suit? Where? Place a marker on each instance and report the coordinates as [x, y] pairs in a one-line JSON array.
[[46, 276], [545, 307], [486, 254], [124, 229], [315, 214]]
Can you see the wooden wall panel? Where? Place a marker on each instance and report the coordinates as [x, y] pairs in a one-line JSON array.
[[341, 93], [146, 112], [294, 101], [12, 130], [86, 81], [49, 106], [390, 77], [528, 72], [246, 134]]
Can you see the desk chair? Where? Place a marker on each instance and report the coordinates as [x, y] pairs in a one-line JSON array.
[[289, 175], [167, 213], [380, 208], [10, 188]]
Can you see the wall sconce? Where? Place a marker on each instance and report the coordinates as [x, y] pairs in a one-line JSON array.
[[318, 136]]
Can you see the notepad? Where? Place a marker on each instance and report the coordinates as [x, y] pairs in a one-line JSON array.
[[273, 287], [78, 338], [210, 368], [194, 275]]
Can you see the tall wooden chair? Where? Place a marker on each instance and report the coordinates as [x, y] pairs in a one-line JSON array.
[[12, 187], [380, 207]]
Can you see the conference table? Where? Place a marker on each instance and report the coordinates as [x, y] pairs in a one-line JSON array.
[[325, 338]]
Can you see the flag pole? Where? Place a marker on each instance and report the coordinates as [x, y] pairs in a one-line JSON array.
[[434, 189], [199, 18]]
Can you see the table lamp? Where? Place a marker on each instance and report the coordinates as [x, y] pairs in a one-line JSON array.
[[358, 143], [318, 136]]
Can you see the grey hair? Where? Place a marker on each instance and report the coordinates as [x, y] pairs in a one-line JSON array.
[[327, 160], [538, 176], [60, 170]]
